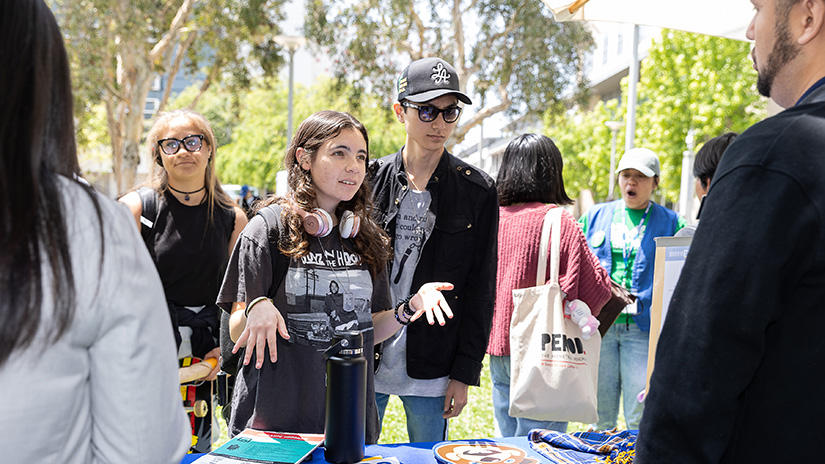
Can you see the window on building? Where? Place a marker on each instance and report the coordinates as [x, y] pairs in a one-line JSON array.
[[604, 50], [156, 83], [152, 105]]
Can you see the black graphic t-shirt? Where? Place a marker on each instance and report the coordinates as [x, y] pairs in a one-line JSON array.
[[328, 289], [316, 289]]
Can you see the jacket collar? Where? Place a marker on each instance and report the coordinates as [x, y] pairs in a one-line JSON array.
[[440, 170], [815, 94]]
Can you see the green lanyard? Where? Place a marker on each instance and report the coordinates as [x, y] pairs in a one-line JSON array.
[[628, 237]]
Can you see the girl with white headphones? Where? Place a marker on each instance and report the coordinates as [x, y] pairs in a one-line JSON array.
[[332, 275]]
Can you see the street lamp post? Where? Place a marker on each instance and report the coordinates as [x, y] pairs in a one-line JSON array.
[[614, 127], [291, 43], [686, 190]]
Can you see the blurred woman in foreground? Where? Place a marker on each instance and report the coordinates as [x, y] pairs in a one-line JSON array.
[[84, 376]]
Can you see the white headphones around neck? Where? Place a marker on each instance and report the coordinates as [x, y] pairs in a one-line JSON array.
[[318, 222]]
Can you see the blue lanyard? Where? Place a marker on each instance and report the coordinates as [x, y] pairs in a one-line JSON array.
[[638, 231]]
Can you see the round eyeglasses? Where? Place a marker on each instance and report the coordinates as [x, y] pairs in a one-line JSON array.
[[428, 113], [190, 143]]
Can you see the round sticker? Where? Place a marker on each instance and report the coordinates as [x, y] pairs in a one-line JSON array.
[[597, 239], [480, 452]]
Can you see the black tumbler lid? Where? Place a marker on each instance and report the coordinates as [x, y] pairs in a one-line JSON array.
[[346, 343]]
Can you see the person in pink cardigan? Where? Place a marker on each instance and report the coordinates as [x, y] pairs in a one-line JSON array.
[[529, 184]]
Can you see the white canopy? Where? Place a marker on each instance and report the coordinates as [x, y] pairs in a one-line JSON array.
[[723, 18]]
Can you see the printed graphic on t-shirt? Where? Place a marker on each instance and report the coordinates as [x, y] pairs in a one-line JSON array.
[[327, 291], [622, 237], [413, 226]]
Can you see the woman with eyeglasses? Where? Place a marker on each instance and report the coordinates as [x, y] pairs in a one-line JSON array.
[[190, 227]]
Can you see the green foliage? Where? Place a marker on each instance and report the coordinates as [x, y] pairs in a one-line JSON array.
[[689, 82], [542, 66], [544, 59], [693, 82], [232, 36], [116, 48], [251, 126], [475, 420], [585, 145]]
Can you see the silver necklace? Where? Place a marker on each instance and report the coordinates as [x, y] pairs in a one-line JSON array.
[[349, 297], [419, 215], [419, 218]]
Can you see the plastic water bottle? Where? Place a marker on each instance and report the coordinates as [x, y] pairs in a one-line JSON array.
[[345, 426]]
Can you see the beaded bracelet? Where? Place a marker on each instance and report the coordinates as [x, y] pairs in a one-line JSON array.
[[407, 308], [253, 303], [398, 318], [404, 307]]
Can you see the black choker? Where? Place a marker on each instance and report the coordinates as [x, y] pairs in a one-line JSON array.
[[186, 198]]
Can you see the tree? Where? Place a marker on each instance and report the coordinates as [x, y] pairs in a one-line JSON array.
[[694, 82], [118, 47], [689, 82], [251, 126], [585, 144], [372, 40]]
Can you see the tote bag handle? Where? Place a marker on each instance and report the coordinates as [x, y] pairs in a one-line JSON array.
[[550, 232]]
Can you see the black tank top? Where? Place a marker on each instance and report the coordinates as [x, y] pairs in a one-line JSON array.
[[191, 255]]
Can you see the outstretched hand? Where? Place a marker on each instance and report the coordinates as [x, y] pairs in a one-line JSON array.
[[430, 301], [263, 325]]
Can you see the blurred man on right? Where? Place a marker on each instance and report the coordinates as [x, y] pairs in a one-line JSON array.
[[740, 365]]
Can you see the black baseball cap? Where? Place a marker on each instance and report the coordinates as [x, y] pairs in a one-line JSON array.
[[429, 78]]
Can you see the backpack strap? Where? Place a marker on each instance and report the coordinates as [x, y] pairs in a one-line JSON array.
[[276, 229], [148, 215], [230, 362]]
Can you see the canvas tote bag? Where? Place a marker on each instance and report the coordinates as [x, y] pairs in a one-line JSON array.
[[553, 370]]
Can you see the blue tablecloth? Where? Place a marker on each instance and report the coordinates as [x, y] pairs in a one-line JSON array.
[[406, 453]]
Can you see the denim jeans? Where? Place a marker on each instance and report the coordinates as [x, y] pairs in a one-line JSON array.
[[622, 371], [512, 426], [424, 421]]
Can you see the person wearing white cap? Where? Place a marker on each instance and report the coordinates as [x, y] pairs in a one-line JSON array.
[[621, 234]]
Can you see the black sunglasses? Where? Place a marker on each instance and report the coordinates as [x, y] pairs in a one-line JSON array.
[[428, 113], [190, 143]]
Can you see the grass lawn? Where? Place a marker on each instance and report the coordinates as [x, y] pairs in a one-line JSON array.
[[475, 421]]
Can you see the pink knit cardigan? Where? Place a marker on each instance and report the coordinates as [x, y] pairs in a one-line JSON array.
[[581, 276]]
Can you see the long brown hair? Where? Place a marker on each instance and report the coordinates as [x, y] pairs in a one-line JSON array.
[[158, 178], [371, 243], [37, 153]]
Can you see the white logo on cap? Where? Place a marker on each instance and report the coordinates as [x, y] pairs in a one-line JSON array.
[[440, 75]]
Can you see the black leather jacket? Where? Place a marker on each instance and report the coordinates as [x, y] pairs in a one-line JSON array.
[[462, 250]]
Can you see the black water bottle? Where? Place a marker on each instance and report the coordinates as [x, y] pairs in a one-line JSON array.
[[346, 399]]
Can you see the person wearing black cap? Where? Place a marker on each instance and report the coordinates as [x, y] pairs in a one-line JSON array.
[[442, 217]]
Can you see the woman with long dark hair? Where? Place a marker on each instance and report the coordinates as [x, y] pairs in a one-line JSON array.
[[281, 271], [84, 378], [529, 184]]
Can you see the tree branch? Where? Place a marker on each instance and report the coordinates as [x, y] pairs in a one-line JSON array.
[[422, 39], [470, 6], [174, 29], [458, 32], [213, 74], [461, 131], [489, 48], [175, 67]]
